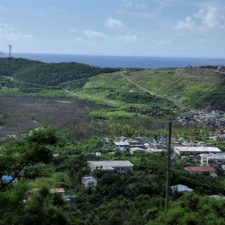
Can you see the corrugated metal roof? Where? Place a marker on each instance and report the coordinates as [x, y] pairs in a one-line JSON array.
[[201, 169], [181, 188], [115, 163], [196, 149]]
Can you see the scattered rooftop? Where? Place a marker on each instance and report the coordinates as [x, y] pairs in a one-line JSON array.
[[115, 163], [200, 169], [56, 190], [180, 188]]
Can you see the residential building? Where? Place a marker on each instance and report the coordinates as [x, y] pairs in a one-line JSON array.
[[121, 166], [123, 143], [193, 151], [214, 160], [201, 169], [180, 188]]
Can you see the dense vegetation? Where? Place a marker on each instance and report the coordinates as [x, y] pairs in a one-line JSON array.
[[48, 74], [88, 106], [134, 198]]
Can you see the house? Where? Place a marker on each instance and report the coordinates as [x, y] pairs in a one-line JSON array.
[[214, 160], [180, 188], [156, 150], [189, 150], [138, 150], [201, 169], [58, 191], [136, 143], [121, 166], [123, 143], [89, 181]]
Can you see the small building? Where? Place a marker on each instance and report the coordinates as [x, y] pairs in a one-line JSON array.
[[214, 160], [120, 166], [156, 150], [193, 151], [136, 143], [180, 188], [138, 150], [201, 169], [57, 191], [89, 181], [121, 145]]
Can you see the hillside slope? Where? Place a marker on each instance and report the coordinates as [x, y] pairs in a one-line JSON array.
[[194, 87], [48, 74]]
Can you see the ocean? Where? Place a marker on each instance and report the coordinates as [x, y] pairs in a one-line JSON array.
[[124, 61]]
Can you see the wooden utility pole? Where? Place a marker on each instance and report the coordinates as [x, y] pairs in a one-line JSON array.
[[168, 168]]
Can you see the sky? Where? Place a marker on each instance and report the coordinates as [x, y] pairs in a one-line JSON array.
[[166, 28]]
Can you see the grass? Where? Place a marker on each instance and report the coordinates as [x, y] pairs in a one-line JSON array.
[[194, 88], [115, 92]]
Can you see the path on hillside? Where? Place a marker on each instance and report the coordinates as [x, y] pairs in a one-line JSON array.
[[125, 75]]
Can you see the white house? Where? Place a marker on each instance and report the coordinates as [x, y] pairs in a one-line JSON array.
[[214, 160], [187, 150], [121, 166], [180, 188], [89, 181]]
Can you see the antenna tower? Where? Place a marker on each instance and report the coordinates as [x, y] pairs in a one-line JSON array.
[[10, 51]]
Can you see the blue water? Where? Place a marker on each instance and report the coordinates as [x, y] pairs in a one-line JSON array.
[[124, 61]]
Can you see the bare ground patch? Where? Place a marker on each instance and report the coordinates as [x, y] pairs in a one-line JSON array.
[[18, 114]]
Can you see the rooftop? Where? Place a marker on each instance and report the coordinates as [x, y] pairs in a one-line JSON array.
[[201, 169], [197, 149], [180, 188], [57, 190], [215, 156], [108, 164]]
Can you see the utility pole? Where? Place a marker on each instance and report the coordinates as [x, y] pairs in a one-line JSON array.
[[168, 168]]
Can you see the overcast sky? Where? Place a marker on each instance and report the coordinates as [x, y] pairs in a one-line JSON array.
[[192, 28]]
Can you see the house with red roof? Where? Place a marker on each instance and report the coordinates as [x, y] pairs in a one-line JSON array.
[[200, 169]]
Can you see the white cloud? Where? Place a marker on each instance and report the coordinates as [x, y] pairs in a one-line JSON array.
[[134, 5], [113, 23], [208, 17], [12, 34], [92, 34], [127, 38], [187, 24]]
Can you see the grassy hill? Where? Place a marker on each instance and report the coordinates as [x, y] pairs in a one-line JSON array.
[[194, 87], [124, 98]]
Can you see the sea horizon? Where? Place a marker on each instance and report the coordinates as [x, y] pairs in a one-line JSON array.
[[146, 62]]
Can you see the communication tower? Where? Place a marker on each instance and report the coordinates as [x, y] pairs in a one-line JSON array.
[[10, 51]]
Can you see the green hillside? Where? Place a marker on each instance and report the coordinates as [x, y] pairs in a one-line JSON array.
[[153, 93], [193, 87], [48, 74], [124, 98]]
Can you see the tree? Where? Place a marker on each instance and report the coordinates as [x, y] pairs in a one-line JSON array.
[[35, 148]]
